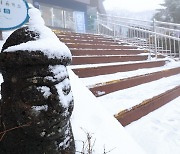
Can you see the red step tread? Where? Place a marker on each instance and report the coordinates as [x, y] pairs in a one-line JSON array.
[[130, 115], [94, 71], [77, 52], [134, 81], [106, 59]]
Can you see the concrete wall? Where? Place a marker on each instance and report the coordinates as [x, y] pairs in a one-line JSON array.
[[84, 1], [70, 4]]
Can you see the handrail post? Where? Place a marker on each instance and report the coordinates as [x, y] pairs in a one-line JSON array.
[[155, 36], [114, 33], [64, 16], [98, 28]]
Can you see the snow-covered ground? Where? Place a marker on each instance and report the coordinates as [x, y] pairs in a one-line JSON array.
[[91, 81], [127, 98], [89, 116], [159, 131]]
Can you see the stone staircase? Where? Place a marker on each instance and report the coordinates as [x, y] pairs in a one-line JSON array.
[[95, 56]]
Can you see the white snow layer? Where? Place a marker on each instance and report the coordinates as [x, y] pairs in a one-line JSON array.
[[45, 90], [159, 131], [48, 42], [65, 99], [91, 81], [127, 98], [90, 117]]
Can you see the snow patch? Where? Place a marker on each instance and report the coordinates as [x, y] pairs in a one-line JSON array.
[[101, 93], [45, 90], [59, 72], [40, 108], [64, 98]]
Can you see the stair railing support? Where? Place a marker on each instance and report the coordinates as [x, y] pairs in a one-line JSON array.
[[155, 37], [114, 33], [98, 22]]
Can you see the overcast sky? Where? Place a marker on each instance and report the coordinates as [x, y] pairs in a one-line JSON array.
[[133, 5]]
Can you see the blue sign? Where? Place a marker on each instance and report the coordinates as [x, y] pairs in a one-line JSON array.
[[13, 14]]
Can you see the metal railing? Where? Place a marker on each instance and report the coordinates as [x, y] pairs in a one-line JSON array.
[[158, 37]]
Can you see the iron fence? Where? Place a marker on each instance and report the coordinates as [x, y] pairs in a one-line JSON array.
[[158, 37]]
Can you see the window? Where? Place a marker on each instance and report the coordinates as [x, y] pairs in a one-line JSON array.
[[46, 14], [57, 17]]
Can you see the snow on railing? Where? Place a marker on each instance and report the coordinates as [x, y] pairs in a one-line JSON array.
[[156, 36]]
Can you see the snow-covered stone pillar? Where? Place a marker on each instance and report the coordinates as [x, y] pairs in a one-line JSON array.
[[37, 101]]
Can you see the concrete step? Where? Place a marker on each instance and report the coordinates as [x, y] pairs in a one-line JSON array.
[[95, 49], [99, 46], [101, 70], [63, 33], [129, 115], [64, 37], [89, 41], [106, 59], [84, 37], [115, 85], [83, 52]]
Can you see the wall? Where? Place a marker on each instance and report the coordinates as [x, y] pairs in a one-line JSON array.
[[71, 4]]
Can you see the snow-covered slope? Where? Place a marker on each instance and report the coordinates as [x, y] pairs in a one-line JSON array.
[[89, 116]]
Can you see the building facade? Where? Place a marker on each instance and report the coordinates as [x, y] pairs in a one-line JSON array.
[[76, 15]]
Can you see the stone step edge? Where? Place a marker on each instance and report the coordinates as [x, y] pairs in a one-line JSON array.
[[96, 70], [130, 115], [109, 84]]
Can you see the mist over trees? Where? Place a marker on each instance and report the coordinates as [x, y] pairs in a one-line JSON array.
[[170, 11]]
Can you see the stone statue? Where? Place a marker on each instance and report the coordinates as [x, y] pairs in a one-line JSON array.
[[37, 101]]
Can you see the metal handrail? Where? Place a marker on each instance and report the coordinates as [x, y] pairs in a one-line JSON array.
[[168, 23], [152, 35], [111, 16]]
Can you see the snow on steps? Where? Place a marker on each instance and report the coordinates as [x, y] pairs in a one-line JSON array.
[[107, 59], [104, 128], [92, 49], [115, 85], [84, 52], [127, 116], [109, 69]]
